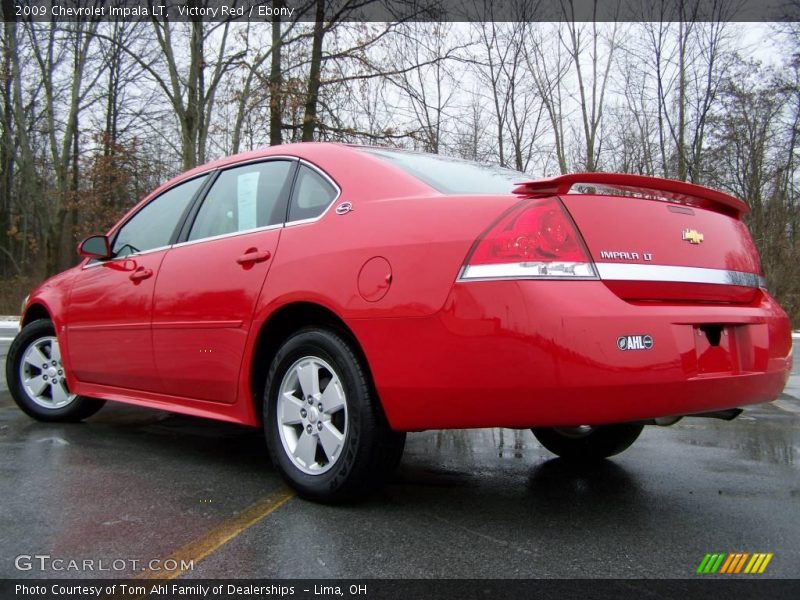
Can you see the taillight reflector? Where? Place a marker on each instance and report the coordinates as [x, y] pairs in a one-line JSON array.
[[535, 240]]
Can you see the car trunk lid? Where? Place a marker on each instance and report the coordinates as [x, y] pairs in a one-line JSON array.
[[660, 240]]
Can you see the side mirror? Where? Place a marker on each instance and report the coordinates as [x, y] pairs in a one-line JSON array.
[[95, 246]]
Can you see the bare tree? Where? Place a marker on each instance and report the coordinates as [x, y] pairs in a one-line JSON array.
[[548, 65], [188, 78], [598, 50], [428, 88], [753, 157], [687, 51], [471, 131], [51, 48]]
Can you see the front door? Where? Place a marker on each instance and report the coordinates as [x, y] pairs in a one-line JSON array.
[[109, 336], [209, 284]]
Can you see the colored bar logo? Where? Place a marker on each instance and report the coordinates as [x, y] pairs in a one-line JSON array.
[[734, 563]]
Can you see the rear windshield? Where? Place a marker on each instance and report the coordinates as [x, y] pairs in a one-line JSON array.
[[453, 175]]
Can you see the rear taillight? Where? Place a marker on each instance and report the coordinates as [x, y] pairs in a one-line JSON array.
[[535, 240]]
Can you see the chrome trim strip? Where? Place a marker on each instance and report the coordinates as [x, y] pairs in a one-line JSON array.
[[91, 265], [611, 272], [304, 221], [676, 274], [529, 270], [227, 235]]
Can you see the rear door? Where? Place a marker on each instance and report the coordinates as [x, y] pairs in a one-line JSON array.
[[109, 337], [209, 283]]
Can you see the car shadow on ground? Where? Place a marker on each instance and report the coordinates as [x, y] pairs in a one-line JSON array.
[[145, 436]]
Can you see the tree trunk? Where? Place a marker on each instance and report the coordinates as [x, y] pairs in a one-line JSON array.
[[681, 102], [191, 121], [276, 80], [6, 153], [314, 74]]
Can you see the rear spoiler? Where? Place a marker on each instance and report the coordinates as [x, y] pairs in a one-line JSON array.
[[638, 185]]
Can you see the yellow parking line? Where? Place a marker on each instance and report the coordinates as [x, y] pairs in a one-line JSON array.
[[220, 535]]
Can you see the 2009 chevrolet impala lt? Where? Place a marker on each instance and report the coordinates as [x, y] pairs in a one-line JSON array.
[[340, 296]]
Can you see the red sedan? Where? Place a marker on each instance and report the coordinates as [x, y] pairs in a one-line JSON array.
[[340, 296]]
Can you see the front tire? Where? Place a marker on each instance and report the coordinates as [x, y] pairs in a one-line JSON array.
[[325, 428], [588, 443], [37, 379]]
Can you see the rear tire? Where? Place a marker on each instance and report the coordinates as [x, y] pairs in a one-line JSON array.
[[325, 428], [588, 443], [37, 380]]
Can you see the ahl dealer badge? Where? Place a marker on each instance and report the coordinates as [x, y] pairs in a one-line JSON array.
[[635, 342]]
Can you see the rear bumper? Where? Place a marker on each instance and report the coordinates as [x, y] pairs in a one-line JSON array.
[[545, 353]]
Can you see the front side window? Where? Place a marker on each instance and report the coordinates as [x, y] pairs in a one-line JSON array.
[[311, 196], [153, 226], [244, 198]]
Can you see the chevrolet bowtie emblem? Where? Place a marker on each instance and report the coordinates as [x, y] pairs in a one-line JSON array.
[[692, 236]]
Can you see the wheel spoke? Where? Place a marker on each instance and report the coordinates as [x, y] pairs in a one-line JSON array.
[[332, 398], [36, 385], [55, 351], [309, 379], [331, 440], [34, 357], [60, 395], [306, 449], [290, 409]]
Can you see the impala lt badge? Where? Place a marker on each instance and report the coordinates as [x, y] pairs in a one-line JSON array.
[[635, 342], [692, 236], [625, 255]]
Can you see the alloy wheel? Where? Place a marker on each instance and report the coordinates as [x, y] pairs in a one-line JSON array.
[[43, 376], [312, 415]]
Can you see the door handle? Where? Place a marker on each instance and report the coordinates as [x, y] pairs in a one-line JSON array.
[[140, 274], [253, 256]]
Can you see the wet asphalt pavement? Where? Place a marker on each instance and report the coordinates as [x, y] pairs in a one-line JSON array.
[[137, 484]]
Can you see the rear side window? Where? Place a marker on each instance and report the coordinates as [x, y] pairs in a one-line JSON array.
[[311, 196], [153, 226], [453, 175], [244, 198]]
